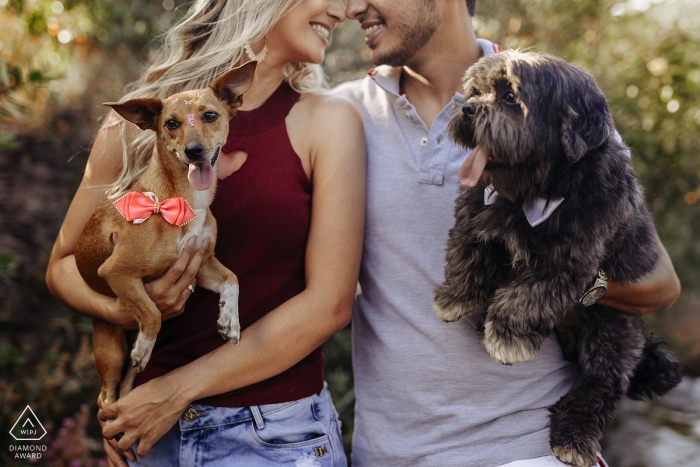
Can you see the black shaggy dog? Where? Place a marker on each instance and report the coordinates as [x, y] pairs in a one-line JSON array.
[[553, 150]]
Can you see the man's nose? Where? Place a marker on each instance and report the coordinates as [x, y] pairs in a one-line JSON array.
[[355, 9]]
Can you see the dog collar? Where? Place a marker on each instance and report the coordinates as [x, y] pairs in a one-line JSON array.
[[137, 207], [536, 211]]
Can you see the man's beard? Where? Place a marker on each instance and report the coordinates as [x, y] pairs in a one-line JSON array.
[[415, 28]]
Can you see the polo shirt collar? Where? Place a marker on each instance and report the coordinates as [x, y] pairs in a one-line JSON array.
[[388, 77]]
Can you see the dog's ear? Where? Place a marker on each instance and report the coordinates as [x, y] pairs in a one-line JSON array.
[[230, 86], [144, 113], [586, 123]]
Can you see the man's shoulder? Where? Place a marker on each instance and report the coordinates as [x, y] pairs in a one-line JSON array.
[[358, 89], [372, 93]]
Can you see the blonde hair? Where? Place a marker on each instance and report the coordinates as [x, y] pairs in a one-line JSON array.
[[206, 42]]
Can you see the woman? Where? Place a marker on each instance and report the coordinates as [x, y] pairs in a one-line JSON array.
[[263, 401]]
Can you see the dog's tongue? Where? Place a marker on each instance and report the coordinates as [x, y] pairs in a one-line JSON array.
[[470, 172], [201, 175]]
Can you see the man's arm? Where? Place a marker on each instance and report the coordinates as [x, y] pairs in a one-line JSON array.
[[657, 290]]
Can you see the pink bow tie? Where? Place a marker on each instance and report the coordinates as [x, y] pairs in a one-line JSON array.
[[138, 207]]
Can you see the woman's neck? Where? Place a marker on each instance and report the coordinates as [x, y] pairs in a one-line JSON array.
[[268, 77]]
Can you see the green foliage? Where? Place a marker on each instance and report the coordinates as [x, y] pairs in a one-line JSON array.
[[338, 373], [7, 141], [58, 385], [110, 22], [71, 446], [8, 261]]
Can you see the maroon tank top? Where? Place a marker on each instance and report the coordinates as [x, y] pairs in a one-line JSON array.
[[263, 213]]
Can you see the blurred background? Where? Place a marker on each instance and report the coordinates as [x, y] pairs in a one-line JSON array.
[[59, 60]]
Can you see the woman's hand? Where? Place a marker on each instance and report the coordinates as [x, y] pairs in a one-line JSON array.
[[143, 416], [171, 290], [114, 458]]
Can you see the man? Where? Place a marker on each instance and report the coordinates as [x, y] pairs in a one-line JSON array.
[[427, 393]]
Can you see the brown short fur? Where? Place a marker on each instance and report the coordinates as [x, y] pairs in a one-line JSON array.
[[115, 257]]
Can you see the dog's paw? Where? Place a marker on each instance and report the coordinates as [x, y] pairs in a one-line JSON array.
[[583, 455], [506, 348], [141, 353], [228, 324], [451, 313]]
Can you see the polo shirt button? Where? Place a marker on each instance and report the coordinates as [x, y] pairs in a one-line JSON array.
[[423, 141]]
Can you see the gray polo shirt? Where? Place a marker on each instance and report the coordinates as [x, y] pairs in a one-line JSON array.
[[427, 393]]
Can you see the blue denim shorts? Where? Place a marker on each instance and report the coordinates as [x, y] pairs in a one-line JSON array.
[[303, 433]]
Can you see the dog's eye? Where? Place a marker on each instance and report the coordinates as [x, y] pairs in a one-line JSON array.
[[474, 92], [509, 97], [209, 117], [172, 125]]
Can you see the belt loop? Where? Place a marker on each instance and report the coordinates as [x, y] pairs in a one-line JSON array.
[[257, 416]]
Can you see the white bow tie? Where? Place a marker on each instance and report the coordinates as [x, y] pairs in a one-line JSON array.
[[536, 211]]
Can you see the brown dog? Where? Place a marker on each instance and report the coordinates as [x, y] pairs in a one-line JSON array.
[[139, 236]]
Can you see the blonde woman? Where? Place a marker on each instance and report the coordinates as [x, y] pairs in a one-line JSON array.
[[263, 402]]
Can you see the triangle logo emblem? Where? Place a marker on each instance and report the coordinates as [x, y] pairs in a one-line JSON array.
[[28, 427]]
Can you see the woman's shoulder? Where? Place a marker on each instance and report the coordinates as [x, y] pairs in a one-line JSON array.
[[320, 123], [325, 106]]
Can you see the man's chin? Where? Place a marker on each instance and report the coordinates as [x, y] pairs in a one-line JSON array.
[[396, 57]]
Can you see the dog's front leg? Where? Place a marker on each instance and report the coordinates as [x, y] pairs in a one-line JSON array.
[[524, 313], [476, 261], [132, 293], [472, 274], [216, 277]]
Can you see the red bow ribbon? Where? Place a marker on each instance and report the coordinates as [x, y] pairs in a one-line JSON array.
[[137, 207]]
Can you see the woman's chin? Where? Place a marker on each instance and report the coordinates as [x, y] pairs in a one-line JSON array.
[[315, 58]]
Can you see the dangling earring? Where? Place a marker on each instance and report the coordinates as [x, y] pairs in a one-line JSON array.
[[259, 57]]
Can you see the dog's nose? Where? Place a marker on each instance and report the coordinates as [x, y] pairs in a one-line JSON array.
[[469, 110], [194, 151]]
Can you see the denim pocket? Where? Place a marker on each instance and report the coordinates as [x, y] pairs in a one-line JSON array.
[[295, 425]]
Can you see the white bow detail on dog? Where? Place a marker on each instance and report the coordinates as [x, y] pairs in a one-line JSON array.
[[536, 211]]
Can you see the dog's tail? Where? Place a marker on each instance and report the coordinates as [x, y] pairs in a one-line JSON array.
[[657, 372]]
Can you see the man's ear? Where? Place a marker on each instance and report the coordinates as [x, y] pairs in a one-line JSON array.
[[230, 86], [144, 113], [586, 123]]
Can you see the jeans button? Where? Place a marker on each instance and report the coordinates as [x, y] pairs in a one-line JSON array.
[[190, 415]]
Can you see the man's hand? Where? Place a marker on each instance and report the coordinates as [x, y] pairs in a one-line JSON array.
[[656, 291]]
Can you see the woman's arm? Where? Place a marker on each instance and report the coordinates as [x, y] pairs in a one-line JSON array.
[[62, 277], [657, 290], [293, 330]]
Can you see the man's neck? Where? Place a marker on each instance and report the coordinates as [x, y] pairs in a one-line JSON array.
[[434, 74]]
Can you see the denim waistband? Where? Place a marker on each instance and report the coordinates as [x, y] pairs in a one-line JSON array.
[[198, 416]]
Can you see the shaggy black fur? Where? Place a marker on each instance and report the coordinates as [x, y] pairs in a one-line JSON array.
[[550, 133]]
